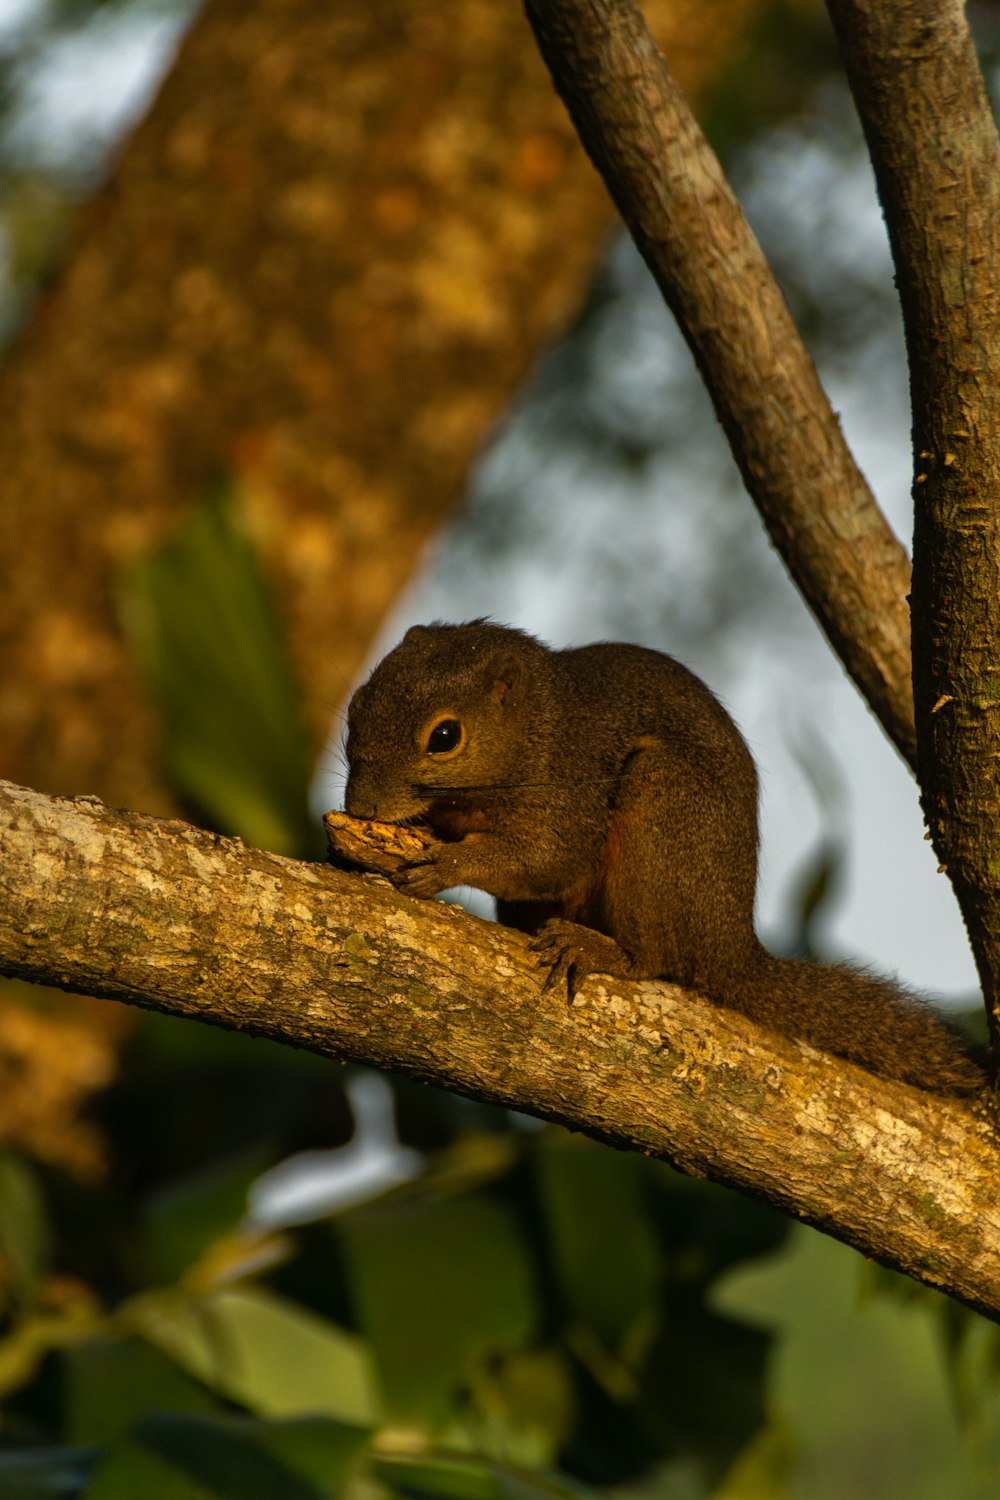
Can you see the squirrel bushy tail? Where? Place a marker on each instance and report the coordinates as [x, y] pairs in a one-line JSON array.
[[862, 1017]]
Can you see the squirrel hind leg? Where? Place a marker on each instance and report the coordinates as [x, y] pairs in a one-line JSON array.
[[680, 868]]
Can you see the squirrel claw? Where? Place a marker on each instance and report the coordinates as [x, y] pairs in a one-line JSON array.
[[572, 952], [557, 956], [561, 975]]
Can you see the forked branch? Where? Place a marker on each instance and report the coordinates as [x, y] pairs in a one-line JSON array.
[[671, 192]]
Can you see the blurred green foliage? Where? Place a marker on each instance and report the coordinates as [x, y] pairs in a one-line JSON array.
[[527, 1314], [204, 634], [561, 1317]]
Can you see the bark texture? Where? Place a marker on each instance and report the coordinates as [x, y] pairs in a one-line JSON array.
[[169, 917], [669, 187], [933, 142], [323, 264]]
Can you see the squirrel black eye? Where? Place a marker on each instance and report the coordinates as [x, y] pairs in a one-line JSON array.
[[446, 735]]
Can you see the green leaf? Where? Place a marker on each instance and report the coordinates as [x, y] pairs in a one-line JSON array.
[[605, 1256], [522, 1407], [971, 1348], [447, 1478], [763, 1468], [220, 1457], [859, 1384], [45, 1473], [239, 1457], [24, 1230], [438, 1284], [268, 1354], [204, 634], [130, 1473], [318, 1449], [217, 1456], [110, 1383]]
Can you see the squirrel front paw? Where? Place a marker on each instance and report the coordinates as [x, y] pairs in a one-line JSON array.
[[571, 952], [428, 873]]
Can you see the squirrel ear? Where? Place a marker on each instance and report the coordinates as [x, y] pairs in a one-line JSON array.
[[507, 673]]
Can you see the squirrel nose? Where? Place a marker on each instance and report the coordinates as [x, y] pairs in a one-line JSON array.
[[358, 803]]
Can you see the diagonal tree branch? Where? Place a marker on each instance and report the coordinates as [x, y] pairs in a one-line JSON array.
[[670, 190], [933, 142], [172, 918]]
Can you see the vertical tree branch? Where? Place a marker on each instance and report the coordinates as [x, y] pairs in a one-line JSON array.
[[787, 441], [922, 100]]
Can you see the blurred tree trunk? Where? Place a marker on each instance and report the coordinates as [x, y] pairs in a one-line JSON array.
[[322, 265]]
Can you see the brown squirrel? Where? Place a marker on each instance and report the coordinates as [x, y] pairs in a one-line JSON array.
[[607, 800]]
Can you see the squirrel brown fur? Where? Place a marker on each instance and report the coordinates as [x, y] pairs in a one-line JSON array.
[[607, 800]]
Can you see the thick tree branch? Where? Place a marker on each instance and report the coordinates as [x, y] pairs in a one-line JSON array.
[[671, 192], [930, 130], [171, 918]]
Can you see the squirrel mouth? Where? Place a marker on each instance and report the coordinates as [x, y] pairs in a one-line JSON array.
[[445, 821], [451, 818]]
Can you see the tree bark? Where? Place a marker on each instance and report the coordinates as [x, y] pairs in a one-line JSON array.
[[168, 917], [933, 142], [321, 267], [671, 192]]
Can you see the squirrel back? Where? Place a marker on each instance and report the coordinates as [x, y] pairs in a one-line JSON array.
[[609, 802]]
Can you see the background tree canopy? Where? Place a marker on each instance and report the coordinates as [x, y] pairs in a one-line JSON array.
[[348, 253]]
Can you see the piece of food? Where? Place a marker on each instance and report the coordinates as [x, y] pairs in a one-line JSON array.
[[382, 847]]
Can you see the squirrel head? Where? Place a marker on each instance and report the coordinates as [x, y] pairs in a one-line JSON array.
[[440, 718]]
